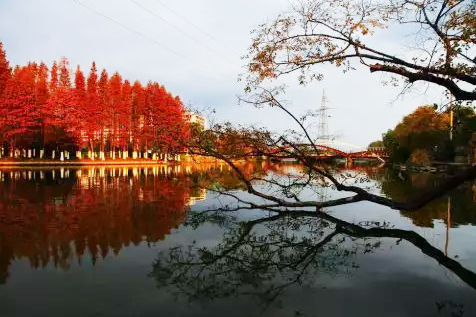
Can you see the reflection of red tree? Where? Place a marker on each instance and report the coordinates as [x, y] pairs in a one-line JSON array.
[[67, 220]]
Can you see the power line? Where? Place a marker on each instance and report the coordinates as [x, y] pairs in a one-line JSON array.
[[148, 38], [197, 27], [179, 30]]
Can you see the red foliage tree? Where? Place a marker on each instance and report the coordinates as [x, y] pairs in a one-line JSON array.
[[18, 111], [63, 126], [5, 72], [106, 114], [80, 101], [92, 126], [5, 75], [115, 109], [137, 115], [103, 109], [42, 94], [125, 118]]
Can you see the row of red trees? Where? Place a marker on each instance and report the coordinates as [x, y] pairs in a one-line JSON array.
[[40, 108]]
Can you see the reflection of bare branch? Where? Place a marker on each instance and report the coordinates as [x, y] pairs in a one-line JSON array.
[[264, 261], [247, 262]]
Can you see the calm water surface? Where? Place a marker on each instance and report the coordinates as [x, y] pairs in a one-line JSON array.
[[137, 242]]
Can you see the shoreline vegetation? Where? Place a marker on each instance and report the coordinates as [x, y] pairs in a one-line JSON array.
[[434, 167]]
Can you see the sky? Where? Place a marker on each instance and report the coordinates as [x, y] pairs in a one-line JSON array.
[[194, 49]]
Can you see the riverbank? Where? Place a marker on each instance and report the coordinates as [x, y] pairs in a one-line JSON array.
[[81, 162], [435, 167], [185, 159]]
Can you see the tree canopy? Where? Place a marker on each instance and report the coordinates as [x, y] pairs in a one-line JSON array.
[[427, 130], [422, 133], [56, 109], [322, 32], [338, 32], [378, 143]]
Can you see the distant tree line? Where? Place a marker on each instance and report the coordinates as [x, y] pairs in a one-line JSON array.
[[378, 143], [424, 135], [42, 110]]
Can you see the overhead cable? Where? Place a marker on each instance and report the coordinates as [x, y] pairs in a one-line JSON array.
[[149, 39], [198, 28], [180, 30]]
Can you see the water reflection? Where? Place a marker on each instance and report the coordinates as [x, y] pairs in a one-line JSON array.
[[276, 254], [72, 218], [59, 215], [265, 256], [459, 209], [262, 257]]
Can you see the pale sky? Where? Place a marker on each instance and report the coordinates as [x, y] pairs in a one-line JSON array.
[[193, 48]]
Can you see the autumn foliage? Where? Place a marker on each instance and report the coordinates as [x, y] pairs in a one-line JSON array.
[[315, 33], [54, 109], [423, 136], [423, 128]]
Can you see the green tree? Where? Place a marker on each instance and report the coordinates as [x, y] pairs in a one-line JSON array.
[[464, 125], [426, 130], [378, 143], [397, 152]]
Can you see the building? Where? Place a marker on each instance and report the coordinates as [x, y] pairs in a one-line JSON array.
[[197, 118]]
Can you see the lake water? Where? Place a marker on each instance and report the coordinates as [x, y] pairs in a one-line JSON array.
[[138, 241]]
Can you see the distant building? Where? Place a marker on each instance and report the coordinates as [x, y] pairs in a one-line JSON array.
[[198, 119]]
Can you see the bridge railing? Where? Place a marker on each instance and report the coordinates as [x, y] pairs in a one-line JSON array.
[[376, 149]]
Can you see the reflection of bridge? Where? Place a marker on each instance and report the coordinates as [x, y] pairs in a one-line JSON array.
[[328, 149]]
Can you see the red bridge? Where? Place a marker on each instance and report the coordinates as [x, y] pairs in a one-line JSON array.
[[326, 151]]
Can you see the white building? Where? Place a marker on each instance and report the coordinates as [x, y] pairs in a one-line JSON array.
[[198, 119]]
